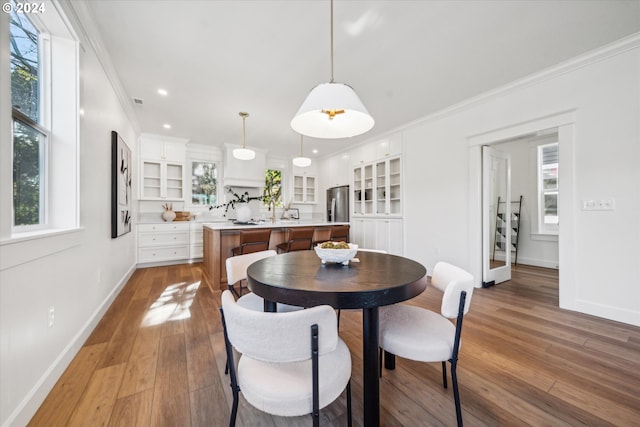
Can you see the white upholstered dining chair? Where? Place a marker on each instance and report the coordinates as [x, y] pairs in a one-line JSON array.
[[291, 364], [419, 334], [237, 273]]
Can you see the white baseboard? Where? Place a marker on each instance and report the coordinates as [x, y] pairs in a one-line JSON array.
[[32, 401], [531, 261], [617, 314]]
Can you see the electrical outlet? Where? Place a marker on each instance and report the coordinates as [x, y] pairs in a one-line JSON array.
[[52, 315]]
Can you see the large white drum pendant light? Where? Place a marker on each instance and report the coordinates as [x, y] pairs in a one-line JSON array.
[[332, 110]]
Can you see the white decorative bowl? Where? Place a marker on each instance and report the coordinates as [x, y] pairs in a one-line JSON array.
[[337, 255]]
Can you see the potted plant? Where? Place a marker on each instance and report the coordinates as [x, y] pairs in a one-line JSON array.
[[240, 204]]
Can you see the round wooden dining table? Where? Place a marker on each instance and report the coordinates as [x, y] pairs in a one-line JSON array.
[[371, 280]]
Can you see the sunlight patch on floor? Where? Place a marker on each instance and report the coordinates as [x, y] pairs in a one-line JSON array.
[[173, 304]]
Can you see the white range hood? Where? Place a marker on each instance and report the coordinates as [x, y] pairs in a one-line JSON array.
[[244, 173]]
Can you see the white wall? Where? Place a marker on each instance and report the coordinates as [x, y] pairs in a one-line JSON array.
[[78, 273], [599, 251]]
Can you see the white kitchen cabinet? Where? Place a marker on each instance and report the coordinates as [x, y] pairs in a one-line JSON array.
[[162, 166], [377, 188], [363, 190], [389, 146], [338, 170], [160, 149], [162, 180], [389, 235], [378, 233], [387, 187], [163, 242], [363, 233], [304, 188], [195, 241]]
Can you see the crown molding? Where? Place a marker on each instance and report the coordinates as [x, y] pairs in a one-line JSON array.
[[85, 27], [586, 59]]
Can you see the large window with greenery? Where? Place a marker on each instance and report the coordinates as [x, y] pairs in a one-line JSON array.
[[43, 70], [273, 187], [30, 136], [548, 188], [204, 183]]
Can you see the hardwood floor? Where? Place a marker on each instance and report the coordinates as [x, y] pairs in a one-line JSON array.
[[157, 359]]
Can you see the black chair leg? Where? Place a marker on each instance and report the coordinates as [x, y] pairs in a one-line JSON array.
[[234, 409], [444, 374], [349, 421], [380, 363], [456, 394]]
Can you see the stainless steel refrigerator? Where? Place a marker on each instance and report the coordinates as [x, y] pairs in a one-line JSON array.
[[338, 204]]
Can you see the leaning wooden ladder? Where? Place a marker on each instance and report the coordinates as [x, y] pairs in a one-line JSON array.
[[500, 238]]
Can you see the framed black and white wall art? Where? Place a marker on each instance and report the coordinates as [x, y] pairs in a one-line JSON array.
[[121, 163]]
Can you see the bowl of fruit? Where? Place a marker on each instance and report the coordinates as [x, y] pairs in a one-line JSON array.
[[338, 252]]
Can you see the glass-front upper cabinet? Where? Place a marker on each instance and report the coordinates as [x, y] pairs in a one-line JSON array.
[[304, 189], [377, 188], [357, 191], [162, 180], [395, 198], [162, 164]]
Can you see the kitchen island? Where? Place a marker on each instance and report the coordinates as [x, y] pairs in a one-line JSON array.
[[221, 237]]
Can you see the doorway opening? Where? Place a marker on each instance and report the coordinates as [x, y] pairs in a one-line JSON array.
[[563, 124], [520, 189]]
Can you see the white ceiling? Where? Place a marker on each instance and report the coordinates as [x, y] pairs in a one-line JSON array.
[[405, 59]]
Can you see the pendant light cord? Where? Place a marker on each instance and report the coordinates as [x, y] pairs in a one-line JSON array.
[[244, 116], [331, 81]]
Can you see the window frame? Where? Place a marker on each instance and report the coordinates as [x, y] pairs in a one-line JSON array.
[[42, 127], [543, 227], [59, 72], [279, 200], [17, 116], [219, 190]]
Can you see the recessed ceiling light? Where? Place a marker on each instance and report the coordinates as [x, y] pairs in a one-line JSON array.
[[166, 126], [314, 151], [163, 92]]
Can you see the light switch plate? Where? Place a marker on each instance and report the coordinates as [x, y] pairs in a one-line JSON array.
[[598, 205]]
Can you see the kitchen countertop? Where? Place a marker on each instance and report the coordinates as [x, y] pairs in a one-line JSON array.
[[268, 224]]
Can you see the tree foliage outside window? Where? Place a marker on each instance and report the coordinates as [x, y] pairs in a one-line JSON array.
[[204, 183], [273, 187], [29, 142]]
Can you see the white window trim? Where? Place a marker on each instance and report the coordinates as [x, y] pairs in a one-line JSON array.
[[219, 187], [543, 229], [62, 214], [43, 127], [44, 174]]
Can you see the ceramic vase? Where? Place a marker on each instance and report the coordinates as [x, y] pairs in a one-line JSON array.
[[168, 215], [243, 212]]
